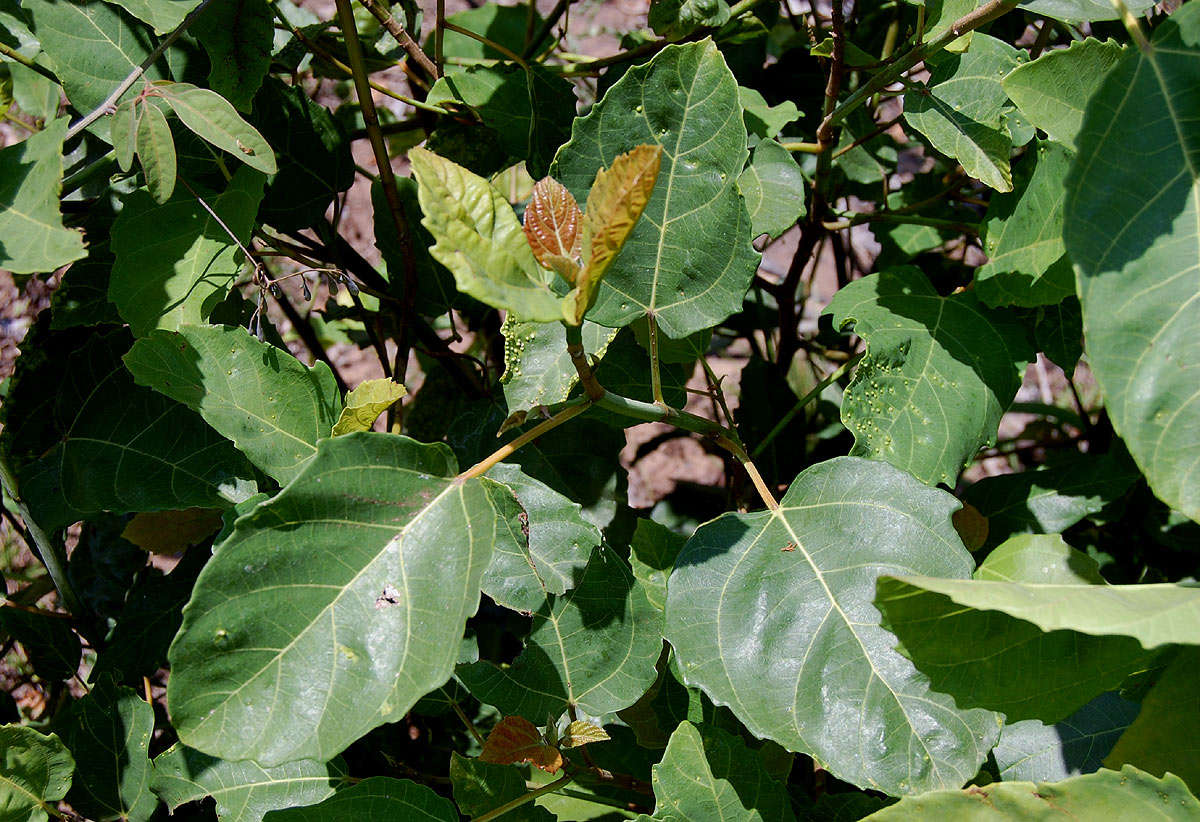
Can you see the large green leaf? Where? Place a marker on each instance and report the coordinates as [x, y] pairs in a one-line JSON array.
[[938, 374], [774, 189], [1127, 794], [33, 237], [676, 19], [175, 262], [1032, 751], [161, 15], [1131, 228], [1052, 499], [1038, 649], [1163, 737], [270, 404], [238, 36], [674, 265], [377, 797], [770, 614], [335, 606], [592, 649], [111, 445], [242, 791], [35, 772], [652, 553], [481, 241], [1027, 263], [707, 773], [530, 110], [92, 47], [108, 731], [311, 149], [961, 110], [553, 551], [480, 787], [537, 368], [1053, 90]]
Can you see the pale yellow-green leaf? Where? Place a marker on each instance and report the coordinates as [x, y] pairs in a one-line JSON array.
[[170, 532], [365, 403], [481, 241], [580, 732]]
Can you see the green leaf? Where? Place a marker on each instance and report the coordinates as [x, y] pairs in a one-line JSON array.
[[530, 110], [1038, 649], [270, 404], [36, 94], [674, 265], [1032, 751], [211, 117], [156, 151], [109, 732], [504, 25], [111, 445], [765, 121], [1080, 11], [1041, 558], [653, 551], [242, 791], [551, 554], [31, 224], [938, 374], [480, 787], [708, 773], [377, 797], [774, 189], [1128, 794], [1052, 499], [1053, 90], [35, 773], [93, 47], [435, 292], [238, 36], [365, 403], [480, 240], [537, 368], [1027, 263], [174, 261], [313, 154], [960, 110], [593, 649], [410, 543], [770, 614], [1163, 737], [1058, 332], [676, 19], [51, 647], [124, 133], [1131, 230], [162, 15]]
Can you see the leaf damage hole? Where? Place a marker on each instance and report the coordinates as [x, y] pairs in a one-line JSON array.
[[389, 598]]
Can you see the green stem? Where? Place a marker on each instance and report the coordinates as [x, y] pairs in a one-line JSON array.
[[387, 177], [803, 148], [918, 53], [98, 167], [579, 359], [523, 799], [904, 219], [655, 369], [653, 412], [571, 411], [802, 403], [1132, 25], [51, 554]]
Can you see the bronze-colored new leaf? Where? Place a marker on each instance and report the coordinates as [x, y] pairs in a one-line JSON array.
[[515, 741], [553, 226], [618, 197]]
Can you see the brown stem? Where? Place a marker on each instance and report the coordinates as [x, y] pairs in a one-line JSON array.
[[402, 36]]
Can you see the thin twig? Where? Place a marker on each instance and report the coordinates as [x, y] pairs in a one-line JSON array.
[[483, 466], [531, 46], [111, 101], [402, 36]]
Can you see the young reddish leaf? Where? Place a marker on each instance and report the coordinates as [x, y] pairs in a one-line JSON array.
[[515, 741], [618, 197], [552, 226], [170, 532], [581, 733]]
